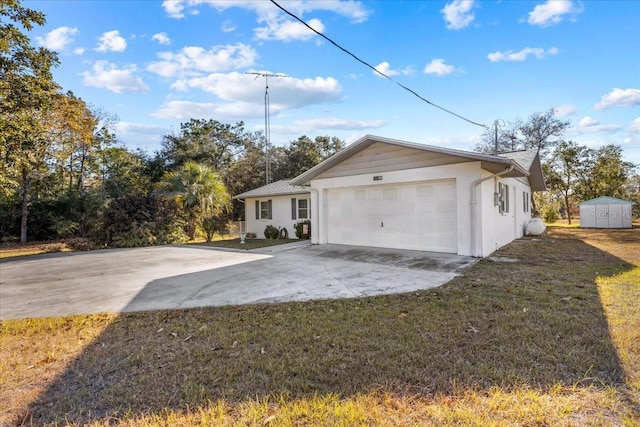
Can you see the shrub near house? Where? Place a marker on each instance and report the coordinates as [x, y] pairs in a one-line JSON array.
[[271, 232]]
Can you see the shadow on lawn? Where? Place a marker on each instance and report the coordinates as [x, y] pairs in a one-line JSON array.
[[539, 322]]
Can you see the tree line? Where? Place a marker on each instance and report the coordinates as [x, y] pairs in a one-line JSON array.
[[65, 175], [573, 172]]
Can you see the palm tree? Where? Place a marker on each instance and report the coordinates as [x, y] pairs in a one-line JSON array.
[[199, 190]]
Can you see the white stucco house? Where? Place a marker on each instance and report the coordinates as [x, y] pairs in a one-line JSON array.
[[606, 212], [279, 204], [389, 193]]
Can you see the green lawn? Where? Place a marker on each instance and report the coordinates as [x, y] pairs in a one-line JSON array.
[[552, 340]]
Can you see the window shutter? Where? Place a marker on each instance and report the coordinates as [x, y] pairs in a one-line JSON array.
[[270, 210], [257, 209], [293, 208]]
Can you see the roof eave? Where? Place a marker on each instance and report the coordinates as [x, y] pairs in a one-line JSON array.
[[255, 196], [367, 140]]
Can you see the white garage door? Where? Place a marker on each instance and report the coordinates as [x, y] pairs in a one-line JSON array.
[[419, 216]]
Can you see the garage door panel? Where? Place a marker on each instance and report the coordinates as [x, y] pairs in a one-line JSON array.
[[424, 192], [424, 208], [390, 208], [418, 216], [444, 223], [407, 224], [425, 224], [390, 224], [445, 206]]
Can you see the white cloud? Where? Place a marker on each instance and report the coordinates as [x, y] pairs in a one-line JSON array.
[[228, 27], [553, 12], [635, 125], [57, 39], [193, 60], [140, 134], [354, 10], [111, 41], [283, 92], [590, 125], [334, 123], [619, 98], [107, 76], [522, 55], [588, 121], [564, 110], [181, 110], [78, 50], [161, 38], [438, 67], [385, 68], [458, 14], [285, 30]]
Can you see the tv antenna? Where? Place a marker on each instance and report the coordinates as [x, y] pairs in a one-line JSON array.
[[267, 120]]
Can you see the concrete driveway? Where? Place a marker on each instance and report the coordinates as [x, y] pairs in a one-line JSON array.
[[170, 277]]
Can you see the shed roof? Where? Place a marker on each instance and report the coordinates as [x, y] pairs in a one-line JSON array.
[[606, 200], [278, 188]]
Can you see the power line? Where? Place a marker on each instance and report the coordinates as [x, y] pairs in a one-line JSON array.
[[375, 70]]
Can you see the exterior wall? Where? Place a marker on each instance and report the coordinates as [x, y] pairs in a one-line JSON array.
[[464, 174], [281, 214], [605, 216], [499, 229]]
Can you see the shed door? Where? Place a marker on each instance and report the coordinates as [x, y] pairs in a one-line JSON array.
[[419, 216]]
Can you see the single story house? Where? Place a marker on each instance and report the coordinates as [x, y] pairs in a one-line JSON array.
[[279, 204], [389, 193], [605, 212]]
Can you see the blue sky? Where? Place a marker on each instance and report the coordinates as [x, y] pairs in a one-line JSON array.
[[156, 64]]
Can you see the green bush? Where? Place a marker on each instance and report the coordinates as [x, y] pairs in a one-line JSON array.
[[214, 225], [140, 220], [300, 228], [270, 232], [550, 214]]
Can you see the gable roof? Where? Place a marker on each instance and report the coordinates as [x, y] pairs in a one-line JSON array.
[[278, 188], [489, 162], [606, 200], [530, 160]]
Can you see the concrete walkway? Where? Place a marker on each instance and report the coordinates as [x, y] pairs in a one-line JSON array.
[[169, 277]]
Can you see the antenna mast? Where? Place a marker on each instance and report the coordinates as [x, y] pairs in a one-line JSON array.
[[267, 121]]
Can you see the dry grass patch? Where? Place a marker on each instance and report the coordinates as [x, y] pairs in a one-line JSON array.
[[550, 340], [33, 248]]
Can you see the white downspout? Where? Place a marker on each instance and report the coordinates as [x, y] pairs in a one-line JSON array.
[[315, 219], [474, 206]]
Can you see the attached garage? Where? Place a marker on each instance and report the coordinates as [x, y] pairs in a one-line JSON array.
[[606, 212], [387, 193], [420, 216]]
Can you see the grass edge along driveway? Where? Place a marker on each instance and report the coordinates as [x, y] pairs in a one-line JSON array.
[[549, 340]]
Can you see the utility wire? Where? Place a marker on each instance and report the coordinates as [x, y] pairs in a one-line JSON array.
[[374, 69]]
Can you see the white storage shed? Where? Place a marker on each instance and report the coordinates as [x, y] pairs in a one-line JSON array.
[[605, 212]]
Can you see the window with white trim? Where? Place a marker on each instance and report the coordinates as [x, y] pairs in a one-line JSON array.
[[503, 194], [303, 209], [525, 202], [263, 209], [300, 209]]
